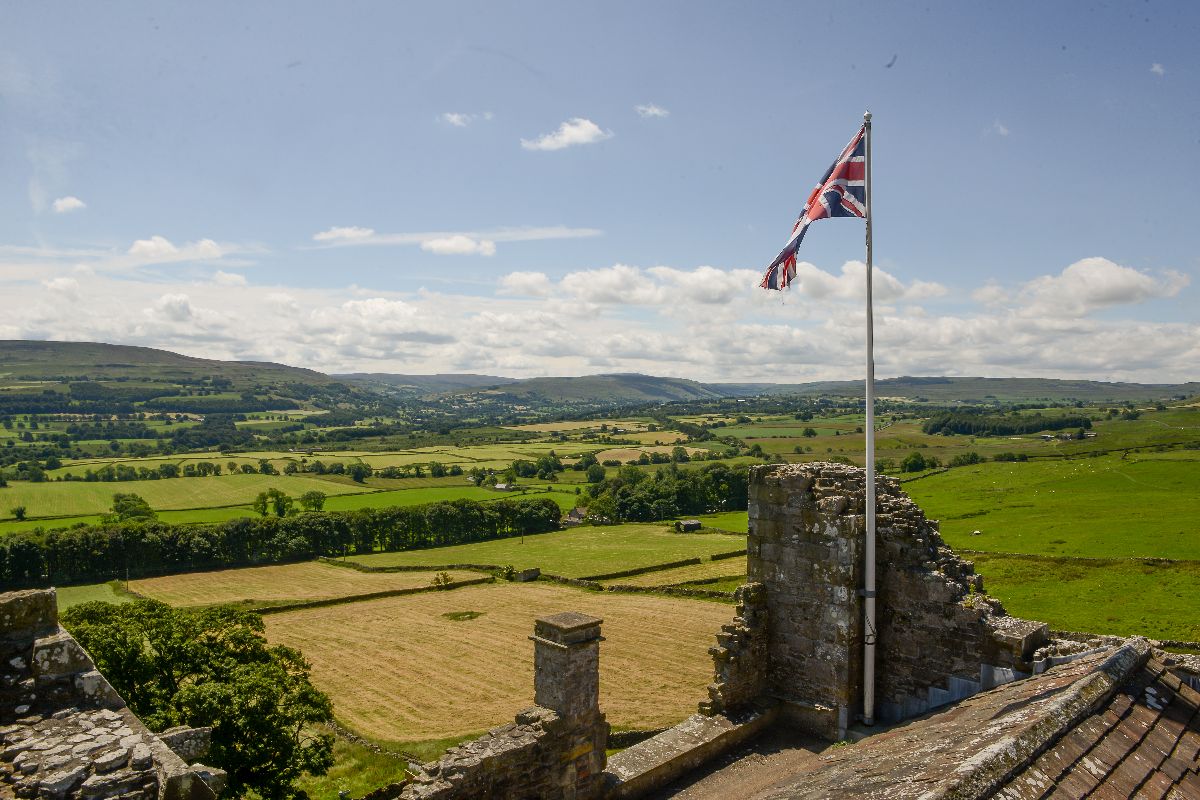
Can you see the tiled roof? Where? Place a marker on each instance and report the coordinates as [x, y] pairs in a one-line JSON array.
[[1143, 742]]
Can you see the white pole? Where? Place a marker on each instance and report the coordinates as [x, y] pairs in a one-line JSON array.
[[869, 555]]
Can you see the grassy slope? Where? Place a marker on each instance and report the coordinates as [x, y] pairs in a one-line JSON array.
[[575, 553], [1094, 507]]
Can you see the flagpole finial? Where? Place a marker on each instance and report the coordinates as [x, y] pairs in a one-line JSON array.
[[866, 116]]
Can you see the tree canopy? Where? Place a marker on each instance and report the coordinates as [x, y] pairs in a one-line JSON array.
[[214, 667]]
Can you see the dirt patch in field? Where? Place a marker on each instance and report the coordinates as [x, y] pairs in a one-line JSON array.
[[307, 581], [399, 670]]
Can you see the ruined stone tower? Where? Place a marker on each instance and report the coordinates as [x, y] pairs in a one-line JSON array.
[[939, 637]]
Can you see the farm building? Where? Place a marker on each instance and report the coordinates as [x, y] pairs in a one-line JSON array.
[[687, 525]]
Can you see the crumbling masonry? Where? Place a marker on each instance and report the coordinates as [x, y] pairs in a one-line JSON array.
[[798, 635]]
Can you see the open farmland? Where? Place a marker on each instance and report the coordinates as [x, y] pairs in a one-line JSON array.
[[575, 553], [707, 570], [55, 499], [399, 670], [279, 584], [1095, 507], [1119, 597]]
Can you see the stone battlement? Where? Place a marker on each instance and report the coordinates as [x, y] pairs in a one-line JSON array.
[[64, 731]]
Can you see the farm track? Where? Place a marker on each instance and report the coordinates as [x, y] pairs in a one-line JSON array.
[[398, 671]]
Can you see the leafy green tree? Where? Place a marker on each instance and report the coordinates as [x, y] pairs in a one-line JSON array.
[[18, 512], [131, 506], [913, 462], [596, 473], [273, 500], [359, 471], [312, 500], [214, 667]]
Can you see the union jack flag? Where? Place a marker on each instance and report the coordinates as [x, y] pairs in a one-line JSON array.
[[841, 193]]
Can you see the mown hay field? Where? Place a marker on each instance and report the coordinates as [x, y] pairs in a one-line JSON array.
[[724, 568], [53, 499], [400, 671], [275, 585], [575, 553]]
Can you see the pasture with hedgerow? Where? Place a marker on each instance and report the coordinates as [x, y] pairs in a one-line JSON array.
[[370, 537]]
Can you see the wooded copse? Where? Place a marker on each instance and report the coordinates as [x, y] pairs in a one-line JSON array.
[[976, 424], [633, 495], [135, 549]]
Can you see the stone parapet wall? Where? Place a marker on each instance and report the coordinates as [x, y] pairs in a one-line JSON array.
[[64, 730]]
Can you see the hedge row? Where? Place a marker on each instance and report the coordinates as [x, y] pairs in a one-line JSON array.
[[102, 552]]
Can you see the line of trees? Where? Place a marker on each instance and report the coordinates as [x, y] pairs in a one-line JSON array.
[[976, 424], [103, 552]]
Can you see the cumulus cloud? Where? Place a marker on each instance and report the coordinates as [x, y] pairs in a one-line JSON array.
[[69, 203], [459, 245], [999, 128], [574, 131], [1158, 69], [651, 110], [158, 249], [1091, 284]]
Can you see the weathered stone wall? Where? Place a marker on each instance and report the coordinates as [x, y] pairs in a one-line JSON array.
[[938, 637], [64, 731], [740, 655], [555, 749]]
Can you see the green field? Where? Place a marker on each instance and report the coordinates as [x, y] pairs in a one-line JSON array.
[[111, 592], [735, 521], [1123, 598], [575, 553], [60, 499], [1095, 507]]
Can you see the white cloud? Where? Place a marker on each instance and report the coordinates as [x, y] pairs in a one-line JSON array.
[[158, 249], [576, 130], [350, 234], [69, 203], [461, 120], [1091, 284], [459, 245], [703, 322], [526, 284], [223, 278], [62, 285], [1158, 69], [652, 110], [999, 128]]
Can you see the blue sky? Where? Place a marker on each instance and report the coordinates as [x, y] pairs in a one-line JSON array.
[[534, 188]]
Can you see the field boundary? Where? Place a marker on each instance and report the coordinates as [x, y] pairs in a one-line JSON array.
[[1149, 561], [730, 554], [629, 573], [357, 567], [357, 598]]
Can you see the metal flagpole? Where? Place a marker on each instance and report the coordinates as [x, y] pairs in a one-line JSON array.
[[869, 553]]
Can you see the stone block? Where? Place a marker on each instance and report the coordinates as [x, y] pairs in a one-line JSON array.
[[28, 613], [58, 655]]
